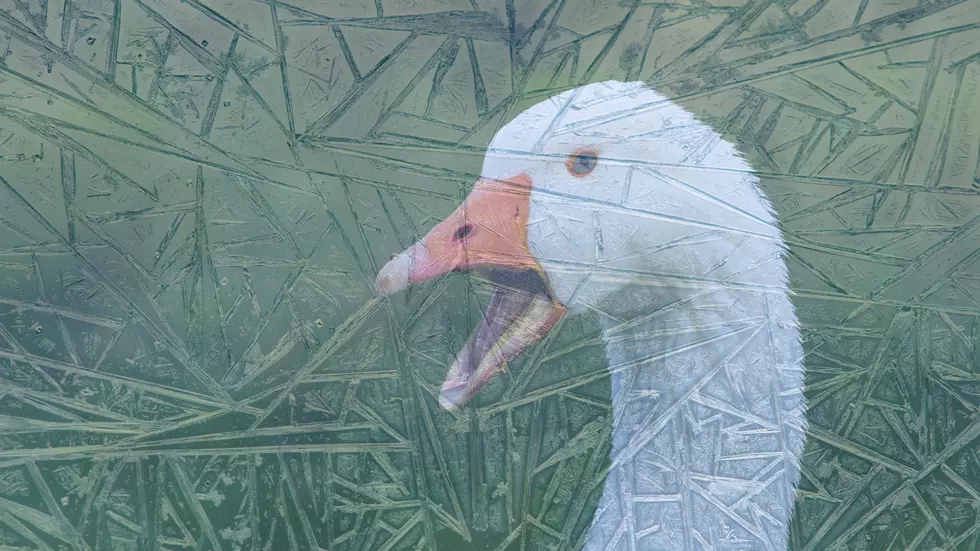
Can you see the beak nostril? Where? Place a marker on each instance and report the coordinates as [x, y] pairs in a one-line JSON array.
[[462, 232]]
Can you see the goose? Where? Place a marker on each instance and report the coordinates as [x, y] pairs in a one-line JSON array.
[[611, 199]]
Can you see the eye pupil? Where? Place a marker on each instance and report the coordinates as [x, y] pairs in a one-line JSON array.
[[463, 231], [583, 163]]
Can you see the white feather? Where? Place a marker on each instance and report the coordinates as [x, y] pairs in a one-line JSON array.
[[672, 231]]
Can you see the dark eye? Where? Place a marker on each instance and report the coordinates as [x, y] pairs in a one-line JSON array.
[[582, 162], [462, 231]]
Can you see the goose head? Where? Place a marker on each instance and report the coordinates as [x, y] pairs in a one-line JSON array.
[[578, 195]]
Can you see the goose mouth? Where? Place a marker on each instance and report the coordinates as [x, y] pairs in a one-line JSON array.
[[521, 311]]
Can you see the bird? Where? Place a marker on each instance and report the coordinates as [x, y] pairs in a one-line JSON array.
[[611, 199]]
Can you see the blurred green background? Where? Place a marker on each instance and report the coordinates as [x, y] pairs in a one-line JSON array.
[[196, 195]]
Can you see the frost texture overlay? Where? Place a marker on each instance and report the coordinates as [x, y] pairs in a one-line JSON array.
[[196, 196]]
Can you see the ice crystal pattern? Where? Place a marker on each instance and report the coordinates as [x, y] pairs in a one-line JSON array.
[[196, 195]]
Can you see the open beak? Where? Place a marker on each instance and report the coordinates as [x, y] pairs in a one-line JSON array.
[[487, 234]]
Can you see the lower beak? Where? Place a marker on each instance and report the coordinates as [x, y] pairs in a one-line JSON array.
[[516, 318]]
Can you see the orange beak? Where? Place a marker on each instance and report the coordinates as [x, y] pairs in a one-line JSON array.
[[488, 234]]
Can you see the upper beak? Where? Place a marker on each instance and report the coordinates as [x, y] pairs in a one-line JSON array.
[[487, 233]]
